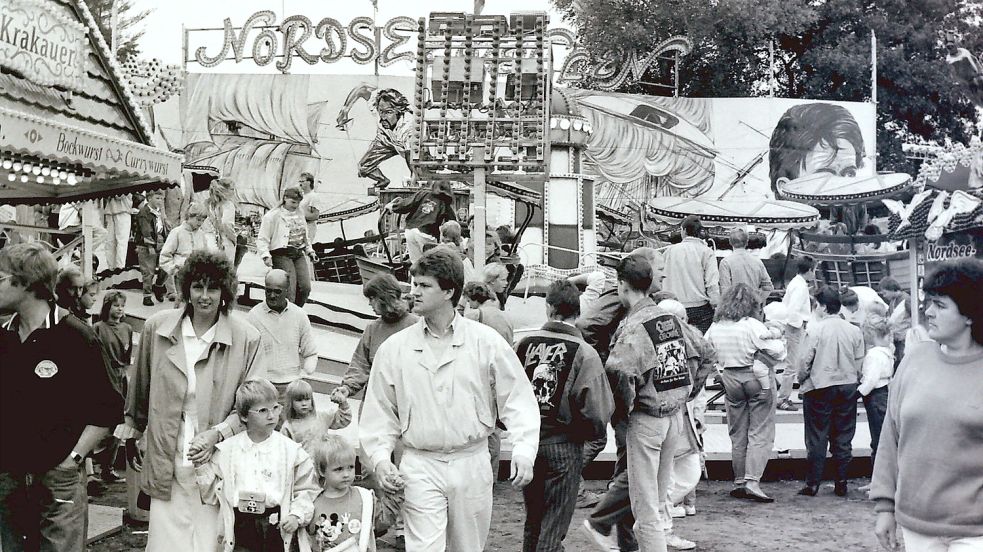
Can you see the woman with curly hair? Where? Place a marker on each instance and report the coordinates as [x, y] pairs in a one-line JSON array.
[[928, 477], [738, 336], [189, 364]]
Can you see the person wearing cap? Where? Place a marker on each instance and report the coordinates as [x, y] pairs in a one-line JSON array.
[[691, 273], [425, 211]]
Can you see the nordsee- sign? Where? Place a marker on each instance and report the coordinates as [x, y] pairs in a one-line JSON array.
[[41, 43]]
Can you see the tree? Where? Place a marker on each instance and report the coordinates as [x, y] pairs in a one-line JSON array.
[[127, 21], [821, 51]]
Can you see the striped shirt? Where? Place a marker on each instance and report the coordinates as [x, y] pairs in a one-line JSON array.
[[736, 343]]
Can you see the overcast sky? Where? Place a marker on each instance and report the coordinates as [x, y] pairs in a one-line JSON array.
[[163, 37]]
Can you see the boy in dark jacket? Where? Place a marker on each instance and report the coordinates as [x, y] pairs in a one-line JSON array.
[[575, 405], [150, 233], [425, 211]]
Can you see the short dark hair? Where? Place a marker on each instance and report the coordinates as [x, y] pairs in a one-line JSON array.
[[478, 291], [960, 280], [636, 272], [564, 297], [691, 225], [804, 264], [848, 297], [212, 268], [444, 266], [307, 176], [829, 298]]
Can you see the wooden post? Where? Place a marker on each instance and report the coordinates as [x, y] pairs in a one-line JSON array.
[[86, 239], [478, 234]]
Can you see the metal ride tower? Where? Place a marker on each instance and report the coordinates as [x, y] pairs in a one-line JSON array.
[[481, 103]]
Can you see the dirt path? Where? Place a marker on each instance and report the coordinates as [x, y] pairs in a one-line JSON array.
[[722, 524]]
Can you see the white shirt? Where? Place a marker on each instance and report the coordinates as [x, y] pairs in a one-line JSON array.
[[595, 285], [258, 467], [194, 350], [877, 370], [797, 301]]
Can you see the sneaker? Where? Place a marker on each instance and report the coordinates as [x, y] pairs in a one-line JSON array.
[[787, 405], [148, 301], [690, 509], [587, 499], [604, 542], [864, 488], [675, 541], [677, 511]]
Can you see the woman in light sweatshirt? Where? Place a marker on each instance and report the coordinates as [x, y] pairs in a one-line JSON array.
[[928, 477]]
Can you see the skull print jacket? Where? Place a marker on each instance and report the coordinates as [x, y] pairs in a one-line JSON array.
[[648, 366], [574, 397]]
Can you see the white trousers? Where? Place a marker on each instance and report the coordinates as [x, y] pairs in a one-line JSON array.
[[183, 522], [448, 502], [415, 240], [117, 239], [917, 542]]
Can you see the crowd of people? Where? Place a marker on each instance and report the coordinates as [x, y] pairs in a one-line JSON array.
[[213, 413]]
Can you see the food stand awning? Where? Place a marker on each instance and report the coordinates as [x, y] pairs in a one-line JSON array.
[[70, 130]]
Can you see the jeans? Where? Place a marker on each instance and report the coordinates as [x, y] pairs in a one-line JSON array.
[[591, 450], [50, 514], [750, 423], [294, 262], [551, 496], [830, 417], [150, 275], [875, 403], [793, 339], [651, 443], [614, 509]]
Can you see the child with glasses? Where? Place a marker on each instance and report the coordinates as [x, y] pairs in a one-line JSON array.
[[264, 483]]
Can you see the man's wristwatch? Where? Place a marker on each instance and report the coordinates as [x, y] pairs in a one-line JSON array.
[[77, 458]]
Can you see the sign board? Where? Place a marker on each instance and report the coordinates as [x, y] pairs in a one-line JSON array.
[[42, 44], [950, 247], [26, 134]]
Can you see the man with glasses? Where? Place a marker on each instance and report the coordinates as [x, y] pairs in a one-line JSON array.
[[56, 404], [287, 338]]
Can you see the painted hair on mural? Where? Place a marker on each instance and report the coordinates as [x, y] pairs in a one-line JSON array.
[[804, 127], [394, 97]]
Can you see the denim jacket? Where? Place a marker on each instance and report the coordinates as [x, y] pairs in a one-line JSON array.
[[648, 365]]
